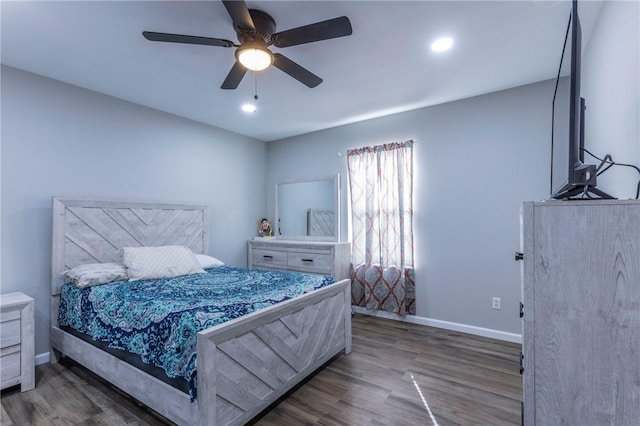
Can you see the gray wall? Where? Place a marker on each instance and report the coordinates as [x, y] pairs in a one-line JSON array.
[[61, 140], [476, 160], [611, 88]]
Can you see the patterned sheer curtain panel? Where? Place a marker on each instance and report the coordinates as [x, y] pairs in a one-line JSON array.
[[381, 184]]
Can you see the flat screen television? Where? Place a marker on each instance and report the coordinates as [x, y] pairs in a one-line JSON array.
[[570, 177]]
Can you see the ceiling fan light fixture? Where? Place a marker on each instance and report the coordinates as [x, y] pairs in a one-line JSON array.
[[254, 58]]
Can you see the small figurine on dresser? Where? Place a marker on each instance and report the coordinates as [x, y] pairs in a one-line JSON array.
[[265, 229]]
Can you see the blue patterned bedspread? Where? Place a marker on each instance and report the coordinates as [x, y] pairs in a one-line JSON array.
[[158, 319]]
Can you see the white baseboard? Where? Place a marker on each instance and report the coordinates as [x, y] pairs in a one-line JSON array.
[[446, 325], [42, 358]]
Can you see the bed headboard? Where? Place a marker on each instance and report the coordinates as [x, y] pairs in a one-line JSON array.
[[92, 231]]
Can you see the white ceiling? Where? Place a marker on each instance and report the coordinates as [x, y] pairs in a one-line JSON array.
[[385, 67]]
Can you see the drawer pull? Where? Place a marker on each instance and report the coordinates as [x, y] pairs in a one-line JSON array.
[[267, 257], [307, 260]]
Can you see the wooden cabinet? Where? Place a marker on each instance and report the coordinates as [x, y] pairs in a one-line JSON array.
[[16, 341], [581, 323], [325, 258]]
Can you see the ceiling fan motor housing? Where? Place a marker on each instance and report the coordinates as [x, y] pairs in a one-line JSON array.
[[265, 26]]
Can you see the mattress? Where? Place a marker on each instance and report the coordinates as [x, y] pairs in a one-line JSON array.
[[153, 323]]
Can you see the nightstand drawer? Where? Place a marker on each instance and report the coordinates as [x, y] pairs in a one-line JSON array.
[[269, 257], [10, 331], [16, 341], [312, 262], [9, 363]]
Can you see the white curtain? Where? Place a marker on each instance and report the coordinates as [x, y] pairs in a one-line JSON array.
[[381, 184]]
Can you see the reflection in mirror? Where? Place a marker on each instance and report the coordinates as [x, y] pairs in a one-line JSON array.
[[308, 209], [320, 223]]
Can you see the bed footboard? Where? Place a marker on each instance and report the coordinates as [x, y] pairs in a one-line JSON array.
[[246, 364]]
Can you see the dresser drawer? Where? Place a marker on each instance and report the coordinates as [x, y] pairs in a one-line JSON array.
[[269, 257], [319, 263], [312, 257], [9, 329], [9, 363]]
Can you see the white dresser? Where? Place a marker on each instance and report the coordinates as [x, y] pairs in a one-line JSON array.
[[315, 257], [581, 312], [16, 341]]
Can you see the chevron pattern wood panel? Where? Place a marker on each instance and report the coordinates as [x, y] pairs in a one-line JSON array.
[[321, 223], [251, 368], [93, 231]]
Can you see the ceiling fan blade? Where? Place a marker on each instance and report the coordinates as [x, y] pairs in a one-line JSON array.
[[239, 13], [179, 38], [296, 71], [234, 77], [324, 30]]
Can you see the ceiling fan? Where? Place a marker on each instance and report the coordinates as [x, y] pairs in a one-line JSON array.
[[256, 32]]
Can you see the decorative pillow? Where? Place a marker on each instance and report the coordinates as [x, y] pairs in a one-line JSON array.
[[96, 273], [208, 261], [159, 262]]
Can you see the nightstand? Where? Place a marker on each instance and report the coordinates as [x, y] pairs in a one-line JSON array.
[[17, 344]]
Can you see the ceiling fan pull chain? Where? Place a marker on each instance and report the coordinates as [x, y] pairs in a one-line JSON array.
[[255, 86]]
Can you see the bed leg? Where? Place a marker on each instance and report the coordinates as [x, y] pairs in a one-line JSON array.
[[54, 356], [347, 319], [206, 350]]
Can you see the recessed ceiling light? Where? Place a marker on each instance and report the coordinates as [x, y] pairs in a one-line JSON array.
[[441, 44], [248, 108]]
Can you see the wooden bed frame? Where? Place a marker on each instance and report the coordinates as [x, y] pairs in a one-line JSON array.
[[244, 365]]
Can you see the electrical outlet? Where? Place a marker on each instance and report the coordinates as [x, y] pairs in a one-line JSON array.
[[496, 303]]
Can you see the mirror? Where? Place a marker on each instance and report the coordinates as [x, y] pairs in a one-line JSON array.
[[308, 209]]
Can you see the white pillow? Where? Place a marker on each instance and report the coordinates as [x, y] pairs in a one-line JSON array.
[[96, 273], [208, 261], [159, 262]]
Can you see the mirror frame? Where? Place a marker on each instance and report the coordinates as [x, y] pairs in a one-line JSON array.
[[336, 190]]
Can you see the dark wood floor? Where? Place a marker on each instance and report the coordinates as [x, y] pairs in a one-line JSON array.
[[397, 374]]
